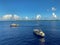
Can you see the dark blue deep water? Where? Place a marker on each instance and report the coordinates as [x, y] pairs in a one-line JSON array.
[[23, 35]]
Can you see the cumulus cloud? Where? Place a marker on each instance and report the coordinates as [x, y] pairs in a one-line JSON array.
[[26, 18], [38, 17], [16, 17], [53, 9], [54, 15], [10, 17], [7, 17]]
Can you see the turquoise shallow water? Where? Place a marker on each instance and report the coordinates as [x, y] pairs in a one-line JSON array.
[[23, 35]]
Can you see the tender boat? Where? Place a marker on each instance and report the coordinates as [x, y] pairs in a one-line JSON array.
[[14, 25], [39, 32]]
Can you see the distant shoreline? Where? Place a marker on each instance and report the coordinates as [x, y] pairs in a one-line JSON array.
[[33, 20]]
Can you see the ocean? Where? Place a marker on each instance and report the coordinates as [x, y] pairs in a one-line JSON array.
[[23, 34]]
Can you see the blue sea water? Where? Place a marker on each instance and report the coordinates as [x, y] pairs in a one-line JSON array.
[[23, 34]]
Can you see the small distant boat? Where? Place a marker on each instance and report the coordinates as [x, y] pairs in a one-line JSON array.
[[39, 32], [14, 25]]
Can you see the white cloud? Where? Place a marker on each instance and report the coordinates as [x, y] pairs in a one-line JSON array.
[[38, 17], [54, 15], [26, 18], [10, 17], [7, 17], [53, 9], [16, 17]]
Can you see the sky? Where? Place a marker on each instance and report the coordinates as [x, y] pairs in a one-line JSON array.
[[30, 8]]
